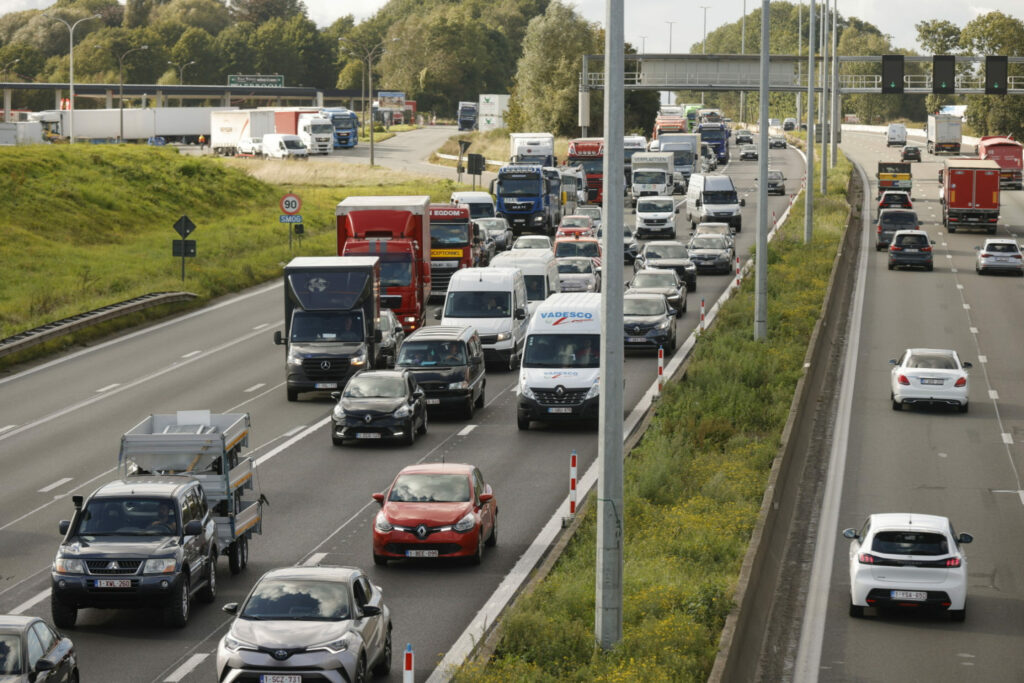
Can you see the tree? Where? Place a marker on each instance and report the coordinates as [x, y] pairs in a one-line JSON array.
[[262, 11], [995, 34], [209, 15], [939, 37], [195, 45], [236, 50], [868, 108]]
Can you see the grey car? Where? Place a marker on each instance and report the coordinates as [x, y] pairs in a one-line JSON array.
[[32, 651], [911, 248], [661, 281], [776, 182], [891, 220], [593, 211], [392, 336], [668, 254], [711, 253], [498, 229], [320, 623], [578, 274]]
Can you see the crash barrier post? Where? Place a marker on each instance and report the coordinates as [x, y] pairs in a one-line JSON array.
[[407, 674]]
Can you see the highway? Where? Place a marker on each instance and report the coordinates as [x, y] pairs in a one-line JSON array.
[[966, 467], [61, 422]]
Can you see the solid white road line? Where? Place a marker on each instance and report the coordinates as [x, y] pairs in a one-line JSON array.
[[192, 354], [466, 430], [186, 668], [107, 388], [260, 326], [7, 428], [59, 482], [300, 434], [993, 394], [314, 559], [31, 602], [254, 387]]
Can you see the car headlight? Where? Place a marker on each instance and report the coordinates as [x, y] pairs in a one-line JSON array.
[[504, 336], [359, 359], [409, 319], [333, 646], [160, 565], [455, 386], [381, 523], [526, 391], [339, 412], [467, 522], [591, 285], [294, 358], [595, 390], [402, 411], [235, 644], [67, 565], [664, 325]]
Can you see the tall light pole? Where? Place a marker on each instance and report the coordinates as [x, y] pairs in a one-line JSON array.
[[369, 57], [743, 51], [834, 126], [824, 98], [799, 49], [704, 41], [670, 35], [7, 104], [120, 87], [181, 70], [7, 67], [643, 45], [71, 69]]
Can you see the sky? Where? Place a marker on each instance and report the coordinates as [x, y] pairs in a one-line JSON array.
[[649, 17]]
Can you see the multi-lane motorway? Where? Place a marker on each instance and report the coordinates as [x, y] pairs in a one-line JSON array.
[[61, 421], [964, 466]]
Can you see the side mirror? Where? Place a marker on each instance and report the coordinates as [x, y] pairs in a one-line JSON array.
[[278, 339], [336, 395], [230, 608], [967, 364], [964, 538], [893, 361], [379, 497], [194, 528], [437, 314], [44, 664], [484, 497], [850, 533], [743, 202], [378, 336], [64, 525], [698, 202], [370, 610]]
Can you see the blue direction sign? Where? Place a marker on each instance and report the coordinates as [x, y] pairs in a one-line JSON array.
[[285, 218]]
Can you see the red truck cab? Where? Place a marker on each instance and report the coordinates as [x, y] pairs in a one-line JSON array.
[[397, 230], [970, 194], [453, 244], [589, 153], [1009, 154]]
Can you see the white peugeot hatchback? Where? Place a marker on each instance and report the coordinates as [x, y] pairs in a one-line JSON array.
[[908, 560]]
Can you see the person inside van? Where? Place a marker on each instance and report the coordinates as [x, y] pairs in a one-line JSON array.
[[453, 355], [493, 308]]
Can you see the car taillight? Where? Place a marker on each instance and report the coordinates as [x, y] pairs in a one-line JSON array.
[[1016, 256], [866, 558], [962, 382], [953, 562], [984, 255], [879, 228], [902, 379], [926, 248], [992, 220], [893, 247]]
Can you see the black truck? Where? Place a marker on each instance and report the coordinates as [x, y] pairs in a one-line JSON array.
[[331, 318]]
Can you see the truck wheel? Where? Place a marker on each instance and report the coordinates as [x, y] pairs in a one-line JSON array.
[[293, 394], [209, 592], [64, 616], [235, 557], [176, 614]]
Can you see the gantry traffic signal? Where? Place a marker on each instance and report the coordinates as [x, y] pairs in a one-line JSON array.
[[892, 74], [996, 69], [943, 74]]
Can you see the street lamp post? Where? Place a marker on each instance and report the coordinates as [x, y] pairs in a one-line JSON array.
[[181, 70], [643, 45], [369, 57], [670, 35], [120, 87], [71, 69], [704, 41], [7, 67]]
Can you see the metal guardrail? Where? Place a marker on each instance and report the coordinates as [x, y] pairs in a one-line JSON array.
[[38, 335]]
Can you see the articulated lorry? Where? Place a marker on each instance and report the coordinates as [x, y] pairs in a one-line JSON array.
[[174, 124], [1009, 154], [944, 134], [346, 126], [653, 174], [970, 194], [331, 316], [524, 199], [454, 244], [532, 148], [468, 115], [397, 231], [314, 129], [685, 149], [589, 153], [228, 128]]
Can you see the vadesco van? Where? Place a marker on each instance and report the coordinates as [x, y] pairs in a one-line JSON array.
[[558, 379]]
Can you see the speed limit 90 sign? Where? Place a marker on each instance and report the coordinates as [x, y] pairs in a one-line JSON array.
[[290, 204]]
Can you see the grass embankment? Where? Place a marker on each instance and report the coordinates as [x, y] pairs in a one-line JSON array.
[[693, 489], [383, 134], [493, 144], [85, 226]]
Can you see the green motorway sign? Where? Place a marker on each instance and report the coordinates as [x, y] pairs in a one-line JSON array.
[[256, 81]]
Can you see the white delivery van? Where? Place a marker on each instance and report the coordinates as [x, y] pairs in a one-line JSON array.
[[540, 271], [713, 199], [481, 204], [896, 135], [561, 368], [284, 146], [494, 301], [656, 217]]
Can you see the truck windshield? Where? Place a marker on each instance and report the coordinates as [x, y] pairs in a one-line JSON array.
[[477, 210], [540, 159], [712, 135], [322, 128], [327, 326], [682, 158], [396, 273], [535, 288], [649, 177], [562, 351], [129, 517], [589, 164], [655, 206], [343, 122], [477, 305], [519, 187], [721, 197], [449, 234]]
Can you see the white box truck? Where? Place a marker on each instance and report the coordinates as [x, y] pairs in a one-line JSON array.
[[493, 105], [21, 133], [229, 127], [944, 133], [652, 174], [532, 148]]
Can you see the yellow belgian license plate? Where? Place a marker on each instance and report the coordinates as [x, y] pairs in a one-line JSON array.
[[445, 253]]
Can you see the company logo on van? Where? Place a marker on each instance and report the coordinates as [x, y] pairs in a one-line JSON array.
[[560, 318]]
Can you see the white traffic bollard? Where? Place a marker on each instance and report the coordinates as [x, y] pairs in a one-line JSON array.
[[572, 484], [702, 315], [407, 674], [661, 368]]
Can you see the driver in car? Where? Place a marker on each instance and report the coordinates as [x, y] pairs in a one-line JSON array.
[[165, 518]]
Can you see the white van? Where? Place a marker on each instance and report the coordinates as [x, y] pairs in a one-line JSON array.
[[561, 368], [896, 135], [540, 271], [494, 301], [713, 199], [481, 204], [656, 216], [283, 146]]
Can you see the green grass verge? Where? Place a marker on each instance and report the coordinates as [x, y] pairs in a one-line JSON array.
[[84, 226], [493, 144], [693, 489]]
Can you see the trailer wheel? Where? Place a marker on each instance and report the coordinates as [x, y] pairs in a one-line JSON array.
[[235, 557], [245, 551]]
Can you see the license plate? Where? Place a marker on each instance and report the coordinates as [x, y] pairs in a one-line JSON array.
[[912, 251], [367, 435], [636, 340], [113, 583], [927, 380], [280, 678], [563, 411], [325, 385], [909, 595], [421, 553], [433, 401]]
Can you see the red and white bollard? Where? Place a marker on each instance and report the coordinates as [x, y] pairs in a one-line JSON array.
[[737, 271], [702, 315], [661, 368], [407, 674], [572, 484]]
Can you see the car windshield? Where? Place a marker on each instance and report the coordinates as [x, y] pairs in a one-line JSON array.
[[642, 306], [665, 251], [294, 143], [575, 248], [532, 243], [932, 361], [475, 304], [654, 278], [910, 543], [576, 222], [128, 517], [708, 242], [895, 198], [774, 175], [297, 600], [562, 351], [575, 265], [425, 354], [720, 197], [479, 210], [654, 206], [898, 218], [430, 488], [313, 326], [375, 387], [448, 234], [10, 654], [591, 211], [749, 148]]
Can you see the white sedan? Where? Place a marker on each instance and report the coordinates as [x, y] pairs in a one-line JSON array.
[[532, 242], [930, 377], [250, 147], [908, 560]]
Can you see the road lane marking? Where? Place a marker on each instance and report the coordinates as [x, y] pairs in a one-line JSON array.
[[59, 482], [1007, 438], [6, 428], [31, 602], [314, 559], [943, 455], [967, 307], [260, 326], [293, 431], [982, 359], [958, 285], [973, 330], [186, 668], [107, 388], [993, 394], [255, 387], [192, 354], [55, 499], [466, 430]]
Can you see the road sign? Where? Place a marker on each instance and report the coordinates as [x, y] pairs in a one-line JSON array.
[[183, 248], [995, 74], [256, 81], [943, 74], [464, 145], [184, 226], [286, 218], [290, 204]]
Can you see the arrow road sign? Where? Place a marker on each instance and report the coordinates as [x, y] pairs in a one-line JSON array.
[[290, 204], [184, 226]]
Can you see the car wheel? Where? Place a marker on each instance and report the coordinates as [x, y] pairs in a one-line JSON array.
[[878, 247], [410, 432], [383, 667], [423, 425], [477, 557], [480, 398], [293, 395], [360, 675], [672, 343], [896, 405], [856, 611], [958, 614], [891, 265], [235, 556], [337, 440], [684, 306], [930, 267], [209, 592], [467, 412], [64, 616], [380, 560], [963, 407], [176, 614], [952, 229], [523, 423]]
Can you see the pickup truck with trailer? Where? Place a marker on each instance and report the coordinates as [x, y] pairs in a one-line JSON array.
[[1009, 154], [331, 315], [970, 194], [893, 175], [152, 538]]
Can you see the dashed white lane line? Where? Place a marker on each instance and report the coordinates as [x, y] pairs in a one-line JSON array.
[[958, 285], [255, 387], [1008, 438], [314, 559], [466, 430], [982, 359], [59, 482], [967, 307], [186, 668], [974, 330], [260, 326], [107, 388], [293, 431], [7, 428], [993, 394], [192, 354], [31, 602]]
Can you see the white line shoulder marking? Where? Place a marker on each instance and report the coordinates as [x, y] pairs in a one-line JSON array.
[[59, 482], [186, 668]]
